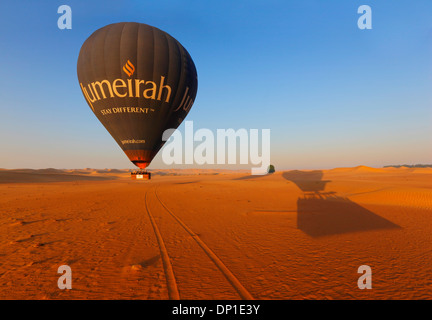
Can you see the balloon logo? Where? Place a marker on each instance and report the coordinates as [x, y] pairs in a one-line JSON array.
[[138, 81], [129, 68]]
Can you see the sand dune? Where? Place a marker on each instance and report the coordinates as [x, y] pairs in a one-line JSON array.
[[364, 169], [47, 175], [89, 174], [184, 172], [298, 234]]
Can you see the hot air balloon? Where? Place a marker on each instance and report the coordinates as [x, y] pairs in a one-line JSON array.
[[138, 81]]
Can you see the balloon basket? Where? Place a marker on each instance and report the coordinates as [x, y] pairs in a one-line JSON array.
[[140, 175]]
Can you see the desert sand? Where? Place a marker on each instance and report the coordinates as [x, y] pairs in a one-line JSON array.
[[216, 235]]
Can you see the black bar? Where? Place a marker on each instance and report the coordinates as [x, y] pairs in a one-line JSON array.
[[214, 309]]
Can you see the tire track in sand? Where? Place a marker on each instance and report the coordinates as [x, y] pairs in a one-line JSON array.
[[236, 284], [169, 273]]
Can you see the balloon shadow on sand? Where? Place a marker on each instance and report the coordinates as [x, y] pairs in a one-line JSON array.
[[321, 213]]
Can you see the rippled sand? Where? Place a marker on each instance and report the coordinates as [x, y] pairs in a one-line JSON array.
[[289, 235]]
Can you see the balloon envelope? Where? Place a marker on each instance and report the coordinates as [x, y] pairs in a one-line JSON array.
[[138, 81]]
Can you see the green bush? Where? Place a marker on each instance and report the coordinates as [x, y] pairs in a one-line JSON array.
[[271, 169]]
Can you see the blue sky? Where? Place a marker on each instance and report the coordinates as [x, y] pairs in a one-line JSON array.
[[332, 94]]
